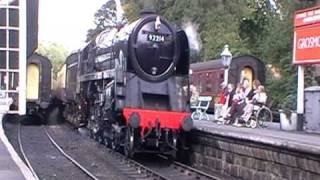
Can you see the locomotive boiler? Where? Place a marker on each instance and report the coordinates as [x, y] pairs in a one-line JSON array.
[[130, 87]]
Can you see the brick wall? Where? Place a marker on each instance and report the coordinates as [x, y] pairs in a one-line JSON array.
[[251, 160]]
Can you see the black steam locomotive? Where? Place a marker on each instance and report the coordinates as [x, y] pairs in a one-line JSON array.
[[130, 87]]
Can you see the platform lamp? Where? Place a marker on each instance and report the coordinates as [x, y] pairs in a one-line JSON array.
[[226, 57]]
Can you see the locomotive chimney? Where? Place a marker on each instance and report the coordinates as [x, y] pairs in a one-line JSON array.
[[146, 12], [148, 8]]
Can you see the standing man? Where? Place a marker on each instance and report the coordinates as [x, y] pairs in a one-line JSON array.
[[248, 91]]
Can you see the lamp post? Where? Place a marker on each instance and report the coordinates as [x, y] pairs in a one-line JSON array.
[[226, 60]]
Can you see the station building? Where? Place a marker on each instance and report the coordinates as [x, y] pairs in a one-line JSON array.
[[18, 40]]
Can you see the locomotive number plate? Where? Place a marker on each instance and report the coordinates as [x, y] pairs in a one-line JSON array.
[[155, 38]]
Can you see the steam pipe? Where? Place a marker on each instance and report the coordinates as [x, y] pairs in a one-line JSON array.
[[167, 141], [147, 134]]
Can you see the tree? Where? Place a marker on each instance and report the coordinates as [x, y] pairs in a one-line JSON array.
[[263, 28], [106, 18], [55, 52], [275, 47]]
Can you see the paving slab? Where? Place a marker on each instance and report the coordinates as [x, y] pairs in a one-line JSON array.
[[11, 166], [8, 168], [295, 140]]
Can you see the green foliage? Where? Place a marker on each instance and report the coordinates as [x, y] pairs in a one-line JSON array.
[[56, 53], [275, 47], [104, 18], [132, 10], [248, 26]]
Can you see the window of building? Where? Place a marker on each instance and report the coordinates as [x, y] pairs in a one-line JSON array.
[[3, 59], [3, 80], [14, 39], [13, 17], [13, 80], [3, 39], [3, 17], [13, 60], [10, 51]]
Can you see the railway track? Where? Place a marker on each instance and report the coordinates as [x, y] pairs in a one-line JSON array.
[[135, 169], [129, 168], [76, 163], [57, 147], [25, 157], [176, 170], [193, 172]]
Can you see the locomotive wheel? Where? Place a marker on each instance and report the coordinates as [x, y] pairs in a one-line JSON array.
[[107, 140], [99, 138], [94, 135], [91, 134], [173, 155], [129, 143], [115, 142]]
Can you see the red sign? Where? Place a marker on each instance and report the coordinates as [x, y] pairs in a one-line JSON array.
[[307, 17], [307, 36]]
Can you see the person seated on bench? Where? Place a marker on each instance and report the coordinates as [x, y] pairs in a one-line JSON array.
[[260, 98], [238, 103]]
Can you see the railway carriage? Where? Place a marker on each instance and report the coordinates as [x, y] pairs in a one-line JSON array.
[[130, 87], [207, 76], [39, 76]]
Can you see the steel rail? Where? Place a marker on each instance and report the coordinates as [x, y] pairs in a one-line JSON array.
[[141, 168], [87, 172], [199, 173], [196, 172], [33, 172]]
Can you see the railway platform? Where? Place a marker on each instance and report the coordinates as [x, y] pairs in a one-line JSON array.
[[261, 153], [271, 135], [11, 166]]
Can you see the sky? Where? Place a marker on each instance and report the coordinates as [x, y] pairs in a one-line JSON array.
[[66, 21]]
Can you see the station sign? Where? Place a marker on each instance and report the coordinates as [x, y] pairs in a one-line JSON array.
[[5, 2], [307, 36]]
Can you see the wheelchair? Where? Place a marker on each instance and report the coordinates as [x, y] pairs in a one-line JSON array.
[[260, 114]]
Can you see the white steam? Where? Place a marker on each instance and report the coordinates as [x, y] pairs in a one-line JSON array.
[[119, 11], [194, 39]]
